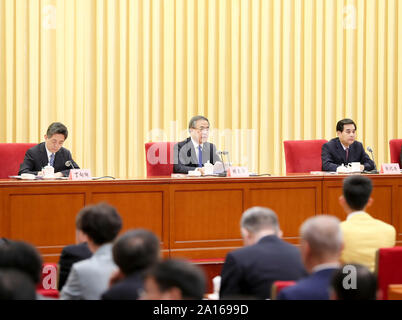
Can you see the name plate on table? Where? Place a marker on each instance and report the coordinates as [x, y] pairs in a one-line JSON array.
[[238, 172], [390, 168], [80, 174]]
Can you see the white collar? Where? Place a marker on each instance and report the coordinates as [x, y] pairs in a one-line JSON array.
[[323, 266], [354, 214], [344, 148], [48, 152], [196, 144]]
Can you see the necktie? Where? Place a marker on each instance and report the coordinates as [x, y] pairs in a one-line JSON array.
[[199, 156], [51, 161], [347, 154]]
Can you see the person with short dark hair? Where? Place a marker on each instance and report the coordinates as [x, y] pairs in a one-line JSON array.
[[22, 256], [192, 153], [50, 152], [250, 271], [133, 252], [345, 149], [16, 285], [362, 287], [363, 235], [175, 279], [89, 278]]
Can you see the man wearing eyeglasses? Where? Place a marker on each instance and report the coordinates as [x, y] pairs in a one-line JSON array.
[[195, 151]]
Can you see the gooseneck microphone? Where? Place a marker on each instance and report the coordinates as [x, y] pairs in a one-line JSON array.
[[372, 156], [69, 163], [221, 154]]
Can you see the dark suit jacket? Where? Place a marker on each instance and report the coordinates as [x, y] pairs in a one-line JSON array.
[[400, 161], [314, 287], [250, 271], [69, 256], [36, 158], [333, 155], [185, 157], [127, 289]]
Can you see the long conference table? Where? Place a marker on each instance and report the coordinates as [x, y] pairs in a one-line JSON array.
[[195, 218]]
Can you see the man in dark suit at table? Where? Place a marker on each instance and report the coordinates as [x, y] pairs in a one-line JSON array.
[[50, 152], [400, 160], [344, 149], [195, 151], [321, 245], [249, 272]]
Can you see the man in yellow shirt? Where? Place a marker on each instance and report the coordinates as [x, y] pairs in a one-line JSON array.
[[363, 235]]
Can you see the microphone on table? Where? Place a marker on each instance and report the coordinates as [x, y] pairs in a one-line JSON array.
[[69, 164], [372, 156], [221, 154]]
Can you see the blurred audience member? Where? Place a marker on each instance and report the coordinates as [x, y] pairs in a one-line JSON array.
[[175, 279], [133, 252], [89, 278], [321, 246]]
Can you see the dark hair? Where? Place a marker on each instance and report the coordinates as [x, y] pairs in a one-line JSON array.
[[366, 284], [181, 274], [357, 191], [16, 285], [136, 250], [57, 128], [101, 223], [194, 119], [21, 256], [341, 124]]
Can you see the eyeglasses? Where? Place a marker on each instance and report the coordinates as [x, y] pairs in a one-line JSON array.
[[202, 129]]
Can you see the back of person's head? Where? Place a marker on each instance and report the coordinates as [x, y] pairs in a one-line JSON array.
[[57, 128], [257, 219], [21, 256], [101, 223], [176, 279], [16, 285], [357, 191], [354, 282], [323, 235], [136, 250], [341, 123]]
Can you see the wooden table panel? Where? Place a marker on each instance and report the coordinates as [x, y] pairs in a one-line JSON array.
[[196, 218], [293, 203], [137, 209], [204, 217]]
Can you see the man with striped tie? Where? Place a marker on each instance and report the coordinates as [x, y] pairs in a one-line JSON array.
[[50, 152], [195, 151]]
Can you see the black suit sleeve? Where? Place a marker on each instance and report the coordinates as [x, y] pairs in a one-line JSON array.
[[28, 165], [400, 161], [231, 276], [328, 163], [179, 166], [366, 161]]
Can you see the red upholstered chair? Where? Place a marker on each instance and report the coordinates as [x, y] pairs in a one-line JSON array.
[[159, 157], [388, 268], [277, 286], [11, 157], [303, 156], [395, 146], [47, 286]]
